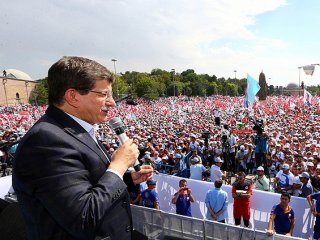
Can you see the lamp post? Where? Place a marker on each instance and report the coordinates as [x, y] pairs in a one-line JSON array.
[[4, 82], [235, 74], [27, 83], [299, 79], [173, 78], [115, 76]]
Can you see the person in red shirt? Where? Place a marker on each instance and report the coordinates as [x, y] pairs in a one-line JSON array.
[[241, 193]]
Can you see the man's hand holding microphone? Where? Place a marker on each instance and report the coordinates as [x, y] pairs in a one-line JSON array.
[[127, 154]]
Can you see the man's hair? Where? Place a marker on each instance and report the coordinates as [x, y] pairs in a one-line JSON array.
[[285, 194], [218, 183], [182, 181], [241, 174], [74, 72]]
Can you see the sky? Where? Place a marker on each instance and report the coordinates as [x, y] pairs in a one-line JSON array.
[[227, 38]]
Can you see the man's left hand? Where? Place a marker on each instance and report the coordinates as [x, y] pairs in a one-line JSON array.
[[144, 174]]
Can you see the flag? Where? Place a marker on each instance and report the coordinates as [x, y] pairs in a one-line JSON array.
[[308, 69], [253, 88], [307, 97]]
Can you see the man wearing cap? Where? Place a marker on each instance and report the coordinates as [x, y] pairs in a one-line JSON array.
[[284, 180], [261, 181], [306, 188], [196, 169], [241, 158], [149, 197], [216, 172], [193, 143], [183, 199], [316, 212], [310, 167]]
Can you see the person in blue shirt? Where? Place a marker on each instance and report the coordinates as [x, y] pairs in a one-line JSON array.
[[217, 203], [316, 212], [149, 197], [282, 216], [183, 199]]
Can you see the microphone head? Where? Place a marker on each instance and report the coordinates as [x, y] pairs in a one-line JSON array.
[[115, 123]]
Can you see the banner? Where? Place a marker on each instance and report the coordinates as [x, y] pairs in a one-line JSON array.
[[261, 204], [253, 88], [307, 97], [308, 69]]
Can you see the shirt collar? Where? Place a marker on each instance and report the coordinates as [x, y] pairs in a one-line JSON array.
[[87, 126]]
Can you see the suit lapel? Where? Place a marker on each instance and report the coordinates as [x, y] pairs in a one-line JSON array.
[[74, 129]]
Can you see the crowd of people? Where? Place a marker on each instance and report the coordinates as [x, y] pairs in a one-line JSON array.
[[275, 146]]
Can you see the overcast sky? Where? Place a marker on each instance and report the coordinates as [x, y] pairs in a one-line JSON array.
[[209, 36]]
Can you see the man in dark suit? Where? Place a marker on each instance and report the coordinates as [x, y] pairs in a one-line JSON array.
[[68, 187]]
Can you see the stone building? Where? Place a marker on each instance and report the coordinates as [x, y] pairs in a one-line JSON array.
[[293, 89], [16, 87]]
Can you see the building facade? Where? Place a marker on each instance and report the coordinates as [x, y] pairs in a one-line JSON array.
[[16, 91]]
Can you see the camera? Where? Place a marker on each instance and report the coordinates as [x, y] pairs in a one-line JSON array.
[[205, 134], [258, 126]]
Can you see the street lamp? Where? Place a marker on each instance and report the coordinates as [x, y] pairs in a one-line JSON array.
[[4, 82], [173, 75], [235, 74], [115, 76], [27, 83], [299, 79]]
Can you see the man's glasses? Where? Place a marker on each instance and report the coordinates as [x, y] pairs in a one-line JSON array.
[[105, 94]]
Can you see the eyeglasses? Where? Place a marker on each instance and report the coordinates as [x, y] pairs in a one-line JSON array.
[[105, 94]]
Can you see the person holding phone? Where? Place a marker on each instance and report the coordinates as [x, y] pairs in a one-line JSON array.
[[183, 199]]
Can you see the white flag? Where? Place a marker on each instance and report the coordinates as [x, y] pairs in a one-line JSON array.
[[307, 97], [308, 69]]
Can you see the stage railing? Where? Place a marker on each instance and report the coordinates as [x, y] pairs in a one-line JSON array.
[[157, 225]]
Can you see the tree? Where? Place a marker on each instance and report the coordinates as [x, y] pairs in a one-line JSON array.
[[39, 95], [271, 90], [143, 86], [231, 89], [212, 88], [121, 87]]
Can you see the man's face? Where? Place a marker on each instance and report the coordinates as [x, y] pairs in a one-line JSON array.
[[94, 107], [183, 184], [303, 179], [260, 172], [241, 179], [284, 201]]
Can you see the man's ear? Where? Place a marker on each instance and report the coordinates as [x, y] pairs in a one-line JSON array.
[[71, 97]]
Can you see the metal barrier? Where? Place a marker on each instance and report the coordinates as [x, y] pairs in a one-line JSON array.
[[156, 225]]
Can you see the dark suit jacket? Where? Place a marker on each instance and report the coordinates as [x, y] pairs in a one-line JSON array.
[[62, 185]]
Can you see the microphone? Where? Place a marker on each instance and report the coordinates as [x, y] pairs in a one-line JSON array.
[[117, 126]]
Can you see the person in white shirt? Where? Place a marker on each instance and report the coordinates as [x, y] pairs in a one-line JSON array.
[[196, 169], [215, 170], [284, 180]]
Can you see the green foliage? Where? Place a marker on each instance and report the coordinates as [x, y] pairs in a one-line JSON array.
[[160, 83], [314, 90], [39, 95], [120, 87]]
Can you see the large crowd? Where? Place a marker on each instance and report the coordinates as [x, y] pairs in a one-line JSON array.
[[276, 144]]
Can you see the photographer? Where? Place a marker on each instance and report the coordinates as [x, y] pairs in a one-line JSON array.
[[260, 141], [229, 143]]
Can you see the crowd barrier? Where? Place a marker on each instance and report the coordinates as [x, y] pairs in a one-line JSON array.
[[261, 204], [157, 224]]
